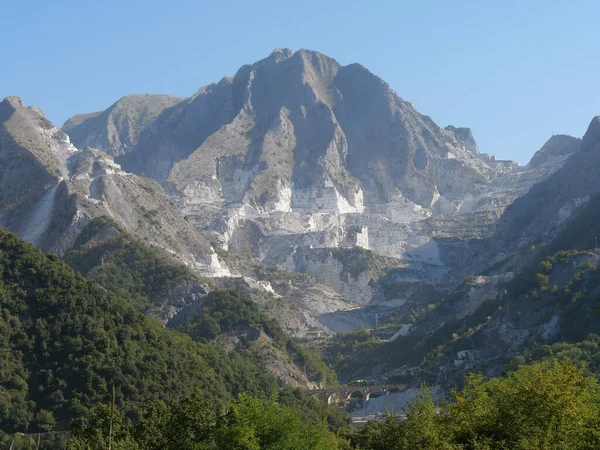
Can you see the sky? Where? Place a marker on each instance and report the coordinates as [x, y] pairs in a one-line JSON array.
[[515, 72]]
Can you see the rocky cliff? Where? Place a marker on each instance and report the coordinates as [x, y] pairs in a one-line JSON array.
[[294, 131], [50, 190], [297, 152], [558, 147], [541, 213]]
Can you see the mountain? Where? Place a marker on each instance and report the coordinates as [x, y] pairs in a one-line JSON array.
[[559, 146], [297, 153], [310, 186], [542, 289], [161, 286], [49, 191], [284, 131], [544, 211], [123, 122], [297, 160], [51, 194]]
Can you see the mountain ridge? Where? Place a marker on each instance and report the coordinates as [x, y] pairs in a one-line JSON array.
[[299, 164], [298, 83]]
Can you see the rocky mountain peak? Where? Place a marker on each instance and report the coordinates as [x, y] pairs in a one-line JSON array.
[[49, 191], [591, 139], [295, 131], [124, 120], [13, 101], [13, 104], [465, 136], [360, 86], [38, 110], [281, 54], [547, 208], [558, 146]]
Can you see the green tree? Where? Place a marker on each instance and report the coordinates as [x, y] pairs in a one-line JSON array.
[[256, 424], [542, 406], [421, 429], [102, 426], [545, 405]]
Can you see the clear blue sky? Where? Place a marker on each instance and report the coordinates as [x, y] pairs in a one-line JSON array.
[[512, 71]]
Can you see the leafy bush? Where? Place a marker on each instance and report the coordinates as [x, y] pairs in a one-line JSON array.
[[542, 280], [545, 405]]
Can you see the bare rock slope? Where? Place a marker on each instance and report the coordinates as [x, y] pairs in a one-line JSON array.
[[297, 153], [49, 190], [283, 131]]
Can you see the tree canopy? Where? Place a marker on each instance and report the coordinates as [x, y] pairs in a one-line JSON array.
[[65, 341]]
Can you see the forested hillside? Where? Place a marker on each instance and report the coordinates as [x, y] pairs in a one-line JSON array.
[[229, 313], [150, 280], [547, 405], [106, 254], [65, 342]]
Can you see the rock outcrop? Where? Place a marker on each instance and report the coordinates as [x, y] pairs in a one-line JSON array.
[[122, 122], [558, 148], [49, 190], [545, 209]]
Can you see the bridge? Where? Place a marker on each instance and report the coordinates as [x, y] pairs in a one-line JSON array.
[[342, 395]]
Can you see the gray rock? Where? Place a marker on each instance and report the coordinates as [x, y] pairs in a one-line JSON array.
[[292, 121], [547, 207], [49, 190], [123, 123], [559, 146], [465, 136]]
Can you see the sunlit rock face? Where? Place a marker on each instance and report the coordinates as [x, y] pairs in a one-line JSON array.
[[338, 137], [49, 191], [287, 141], [296, 154]]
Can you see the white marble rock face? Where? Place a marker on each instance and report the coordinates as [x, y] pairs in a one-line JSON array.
[[315, 155]]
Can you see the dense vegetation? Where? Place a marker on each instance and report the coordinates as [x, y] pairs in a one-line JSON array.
[[353, 354], [65, 341], [128, 267], [343, 346], [547, 405], [585, 353], [356, 260], [193, 423], [228, 310], [124, 265]]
